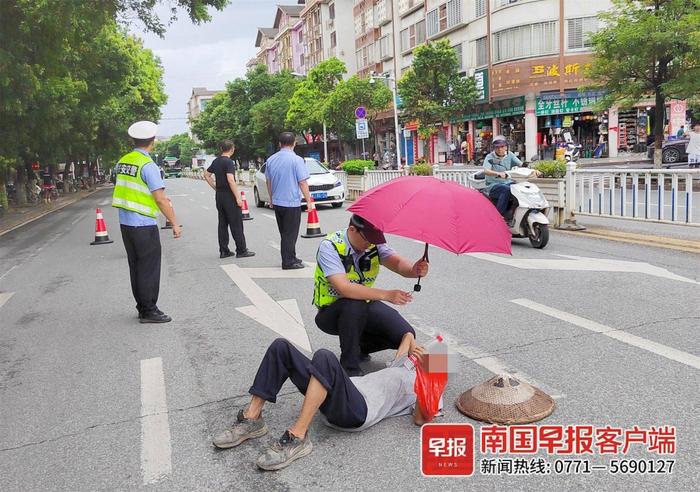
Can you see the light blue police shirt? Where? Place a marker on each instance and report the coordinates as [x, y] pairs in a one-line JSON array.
[[151, 175], [331, 264], [284, 170]]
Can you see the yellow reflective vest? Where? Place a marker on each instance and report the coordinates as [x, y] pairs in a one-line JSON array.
[[130, 190], [324, 293]]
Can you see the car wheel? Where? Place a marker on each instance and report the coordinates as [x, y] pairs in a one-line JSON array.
[[258, 203], [671, 155], [338, 205]]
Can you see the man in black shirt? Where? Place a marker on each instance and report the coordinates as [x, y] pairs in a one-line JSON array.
[[228, 202]]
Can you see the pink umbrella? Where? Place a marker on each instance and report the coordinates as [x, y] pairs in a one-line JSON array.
[[437, 212]]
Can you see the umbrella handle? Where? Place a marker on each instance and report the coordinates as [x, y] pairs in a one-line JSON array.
[[417, 287]]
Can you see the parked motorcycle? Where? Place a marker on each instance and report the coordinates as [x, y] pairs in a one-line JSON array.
[[528, 206], [573, 150]]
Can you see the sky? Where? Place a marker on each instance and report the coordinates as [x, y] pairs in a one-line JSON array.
[[206, 55]]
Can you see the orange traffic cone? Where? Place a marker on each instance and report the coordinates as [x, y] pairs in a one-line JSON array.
[[244, 208], [313, 228], [168, 224], [101, 236]]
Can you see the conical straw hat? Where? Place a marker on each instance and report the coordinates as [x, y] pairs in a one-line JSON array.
[[504, 399]]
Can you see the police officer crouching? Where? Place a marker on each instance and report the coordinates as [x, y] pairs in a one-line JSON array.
[[139, 193], [348, 263]]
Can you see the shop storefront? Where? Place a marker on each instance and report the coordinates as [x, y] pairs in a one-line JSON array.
[[506, 117], [573, 111]]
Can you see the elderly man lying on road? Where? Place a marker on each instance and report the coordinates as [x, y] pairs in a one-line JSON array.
[[350, 404]]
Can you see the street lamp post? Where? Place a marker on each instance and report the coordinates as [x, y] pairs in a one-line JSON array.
[[392, 86]]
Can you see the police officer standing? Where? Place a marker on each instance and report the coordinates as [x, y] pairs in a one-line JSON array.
[[348, 263], [139, 192]]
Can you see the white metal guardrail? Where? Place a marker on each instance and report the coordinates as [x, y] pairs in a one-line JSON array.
[[376, 177], [343, 178], [659, 195]]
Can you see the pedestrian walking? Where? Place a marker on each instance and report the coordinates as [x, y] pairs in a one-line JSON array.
[[228, 201], [693, 149], [139, 193], [286, 174]]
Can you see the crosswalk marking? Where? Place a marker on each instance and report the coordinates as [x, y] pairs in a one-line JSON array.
[[155, 430], [622, 336]]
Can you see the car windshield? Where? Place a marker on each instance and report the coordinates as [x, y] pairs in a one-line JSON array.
[[315, 167]]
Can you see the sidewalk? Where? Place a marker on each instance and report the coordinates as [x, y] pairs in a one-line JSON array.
[[637, 158], [668, 236], [18, 216]]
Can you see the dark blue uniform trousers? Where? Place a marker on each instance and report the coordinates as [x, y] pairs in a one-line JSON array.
[[344, 405]]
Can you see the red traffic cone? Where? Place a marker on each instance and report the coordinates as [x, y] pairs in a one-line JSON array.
[[244, 208], [168, 224], [101, 236], [313, 228]]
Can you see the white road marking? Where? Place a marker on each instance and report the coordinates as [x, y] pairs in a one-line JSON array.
[[291, 306], [106, 202], [155, 431], [482, 358], [77, 219], [271, 217], [276, 272], [622, 336], [274, 245], [3, 275], [580, 263], [205, 207], [5, 296], [266, 310]]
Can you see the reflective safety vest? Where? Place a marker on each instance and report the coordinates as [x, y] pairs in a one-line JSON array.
[[324, 293], [130, 190]]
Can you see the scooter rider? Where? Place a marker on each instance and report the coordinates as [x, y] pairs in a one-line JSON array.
[[496, 164]]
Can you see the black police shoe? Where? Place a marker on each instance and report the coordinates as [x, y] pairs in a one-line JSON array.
[[246, 254], [225, 254], [155, 317], [294, 266]]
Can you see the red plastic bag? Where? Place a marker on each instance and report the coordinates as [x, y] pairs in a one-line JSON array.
[[429, 387]]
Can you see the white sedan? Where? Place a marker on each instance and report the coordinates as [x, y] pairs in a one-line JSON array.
[[324, 186]]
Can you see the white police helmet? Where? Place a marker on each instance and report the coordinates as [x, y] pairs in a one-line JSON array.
[[143, 130]]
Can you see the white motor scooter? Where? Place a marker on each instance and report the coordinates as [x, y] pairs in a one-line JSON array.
[[528, 207]]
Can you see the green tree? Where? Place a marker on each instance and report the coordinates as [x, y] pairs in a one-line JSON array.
[[251, 112], [181, 146], [308, 104], [339, 107], [648, 48], [432, 90]]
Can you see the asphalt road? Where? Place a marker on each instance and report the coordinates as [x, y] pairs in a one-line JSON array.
[[92, 400]]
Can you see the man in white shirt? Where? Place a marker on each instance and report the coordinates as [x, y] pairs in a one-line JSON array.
[[347, 403]]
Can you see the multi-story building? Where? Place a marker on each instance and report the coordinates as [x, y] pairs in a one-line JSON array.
[[267, 48], [198, 102], [529, 58], [324, 36], [287, 22]]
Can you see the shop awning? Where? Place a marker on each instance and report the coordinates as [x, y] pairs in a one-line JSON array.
[[497, 109]]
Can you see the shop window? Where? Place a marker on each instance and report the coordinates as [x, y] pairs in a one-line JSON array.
[[525, 41], [482, 52], [579, 32]]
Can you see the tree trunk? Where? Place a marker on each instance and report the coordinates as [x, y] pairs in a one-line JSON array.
[[659, 123], [21, 185]]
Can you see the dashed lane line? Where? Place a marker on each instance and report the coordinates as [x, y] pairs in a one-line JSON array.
[[155, 430], [622, 336]]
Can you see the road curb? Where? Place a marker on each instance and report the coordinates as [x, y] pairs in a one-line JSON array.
[[62, 206], [664, 242]]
